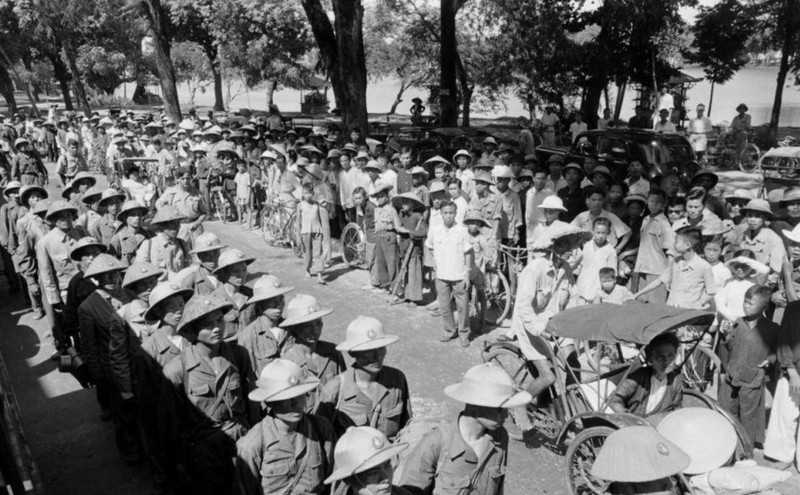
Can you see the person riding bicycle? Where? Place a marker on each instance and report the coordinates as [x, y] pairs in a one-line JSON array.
[[545, 287]]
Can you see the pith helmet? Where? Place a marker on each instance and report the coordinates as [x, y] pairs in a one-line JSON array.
[[488, 385], [280, 380], [361, 449], [365, 333]]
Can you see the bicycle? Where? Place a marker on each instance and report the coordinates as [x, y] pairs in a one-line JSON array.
[[278, 226], [354, 245], [722, 154], [220, 206], [496, 303], [511, 261]]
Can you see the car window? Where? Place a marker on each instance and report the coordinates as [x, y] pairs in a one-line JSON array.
[[680, 152], [614, 148], [586, 145]]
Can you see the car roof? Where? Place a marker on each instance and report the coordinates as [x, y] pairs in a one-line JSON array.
[[638, 135]]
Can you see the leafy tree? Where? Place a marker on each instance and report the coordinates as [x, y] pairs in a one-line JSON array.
[[104, 70], [191, 67], [12, 39], [341, 47], [721, 52]]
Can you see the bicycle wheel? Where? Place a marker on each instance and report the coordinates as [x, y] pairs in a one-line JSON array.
[[701, 370], [748, 158], [498, 297], [352, 244]]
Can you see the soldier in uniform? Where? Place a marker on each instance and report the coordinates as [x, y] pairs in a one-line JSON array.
[[99, 321], [165, 307], [369, 393], [25, 258], [91, 204], [485, 202], [232, 272], [289, 451], [139, 281], [29, 197], [8, 237], [206, 410], [129, 235], [56, 268], [468, 454], [103, 228], [83, 253], [303, 321], [27, 166], [263, 338], [200, 276], [189, 202], [165, 250], [362, 462]]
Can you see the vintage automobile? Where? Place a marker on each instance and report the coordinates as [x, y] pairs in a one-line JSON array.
[[615, 148], [781, 167]]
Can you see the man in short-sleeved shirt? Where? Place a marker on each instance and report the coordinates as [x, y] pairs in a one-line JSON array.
[[452, 254], [689, 280]]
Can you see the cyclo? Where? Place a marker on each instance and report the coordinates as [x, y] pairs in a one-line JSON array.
[[572, 417]]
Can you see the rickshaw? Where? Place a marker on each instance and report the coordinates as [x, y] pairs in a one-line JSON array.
[[573, 417]]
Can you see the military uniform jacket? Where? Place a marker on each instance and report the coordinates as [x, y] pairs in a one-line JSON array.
[[103, 229], [9, 214], [270, 462], [168, 254], [88, 219], [25, 257], [98, 319], [324, 362], [56, 268], [342, 401], [442, 463], [200, 280], [240, 315], [125, 243], [260, 343], [27, 164], [149, 360]]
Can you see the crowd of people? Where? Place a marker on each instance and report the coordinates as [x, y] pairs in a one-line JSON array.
[[196, 365]]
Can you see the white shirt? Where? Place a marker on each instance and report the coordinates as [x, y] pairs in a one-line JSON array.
[[450, 245], [577, 128], [658, 389]]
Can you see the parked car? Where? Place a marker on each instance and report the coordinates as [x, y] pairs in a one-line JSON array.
[[615, 148]]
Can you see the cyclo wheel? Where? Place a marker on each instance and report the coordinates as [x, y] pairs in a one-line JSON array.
[[498, 297], [748, 158], [519, 371], [581, 455], [352, 241]]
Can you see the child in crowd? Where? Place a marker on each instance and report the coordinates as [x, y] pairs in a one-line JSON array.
[[387, 226], [751, 345], [635, 182], [412, 218], [615, 203], [454, 191], [619, 235], [242, 180], [463, 161], [729, 300], [484, 251], [688, 278], [419, 184], [609, 291], [712, 252], [656, 238], [596, 254], [310, 221]]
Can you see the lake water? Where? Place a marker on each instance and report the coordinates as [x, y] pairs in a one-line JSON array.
[[754, 86]]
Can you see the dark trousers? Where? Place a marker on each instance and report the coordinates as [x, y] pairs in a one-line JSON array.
[[747, 405], [446, 291], [385, 258], [9, 270]]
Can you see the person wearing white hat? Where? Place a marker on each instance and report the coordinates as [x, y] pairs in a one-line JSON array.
[[263, 338], [484, 201], [534, 197], [369, 393], [363, 463], [551, 209], [469, 452], [206, 410], [758, 238], [302, 319], [290, 450], [744, 272]]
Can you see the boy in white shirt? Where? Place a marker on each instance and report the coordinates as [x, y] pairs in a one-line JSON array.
[[596, 254]]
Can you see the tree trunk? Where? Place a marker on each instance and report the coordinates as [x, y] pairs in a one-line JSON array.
[[448, 101], [62, 75], [80, 89], [466, 104], [710, 99], [270, 92], [157, 23], [783, 70], [398, 99], [620, 97], [342, 50], [594, 91], [7, 90], [218, 104]]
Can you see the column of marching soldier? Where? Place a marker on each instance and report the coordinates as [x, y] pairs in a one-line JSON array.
[[223, 387]]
